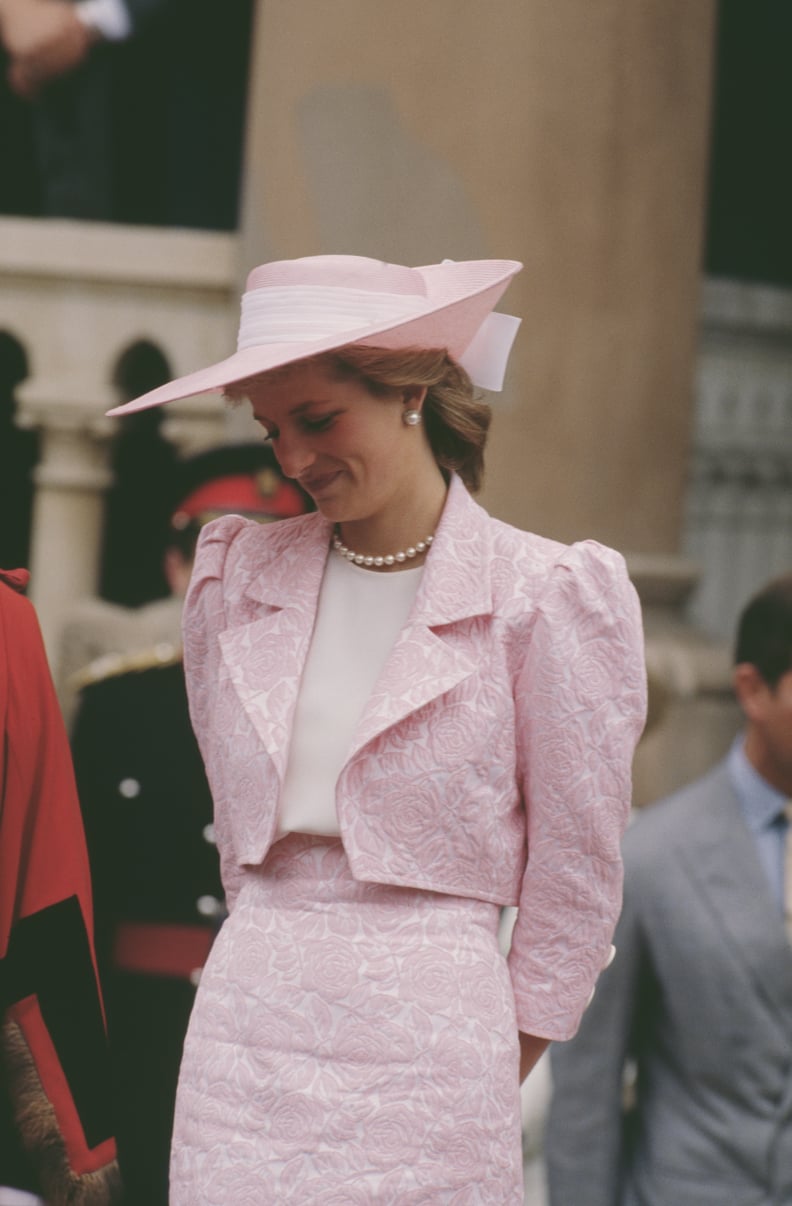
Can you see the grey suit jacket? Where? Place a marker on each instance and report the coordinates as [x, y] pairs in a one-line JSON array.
[[699, 996]]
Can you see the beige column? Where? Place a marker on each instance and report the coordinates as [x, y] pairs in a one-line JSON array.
[[568, 134], [71, 478]]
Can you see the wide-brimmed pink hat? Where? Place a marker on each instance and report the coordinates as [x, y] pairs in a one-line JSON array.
[[297, 308]]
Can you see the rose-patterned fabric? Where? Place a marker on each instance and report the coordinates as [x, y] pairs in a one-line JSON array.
[[493, 759], [355, 1043]]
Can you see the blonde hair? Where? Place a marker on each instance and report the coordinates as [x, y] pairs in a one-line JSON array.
[[455, 420]]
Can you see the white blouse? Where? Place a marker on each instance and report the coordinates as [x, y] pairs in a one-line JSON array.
[[358, 619]]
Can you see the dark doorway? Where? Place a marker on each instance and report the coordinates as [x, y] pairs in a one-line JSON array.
[[19, 454], [137, 503]]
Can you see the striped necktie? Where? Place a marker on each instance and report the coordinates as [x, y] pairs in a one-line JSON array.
[[788, 870]]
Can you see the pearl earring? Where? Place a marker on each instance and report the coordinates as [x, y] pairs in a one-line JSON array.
[[411, 418]]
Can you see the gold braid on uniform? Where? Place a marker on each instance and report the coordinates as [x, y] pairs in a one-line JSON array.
[[113, 665]]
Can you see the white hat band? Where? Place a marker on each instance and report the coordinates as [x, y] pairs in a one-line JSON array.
[[299, 313], [304, 313]]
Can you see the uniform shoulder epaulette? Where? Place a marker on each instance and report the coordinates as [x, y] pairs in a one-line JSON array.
[[114, 665]]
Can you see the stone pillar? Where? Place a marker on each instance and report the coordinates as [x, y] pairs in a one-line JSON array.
[[77, 296], [693, 714], [71, 478], [570, 135]]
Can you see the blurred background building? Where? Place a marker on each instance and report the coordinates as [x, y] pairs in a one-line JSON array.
[[632, 153]]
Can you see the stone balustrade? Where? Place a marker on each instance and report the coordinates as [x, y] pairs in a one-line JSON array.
[[77, 296]]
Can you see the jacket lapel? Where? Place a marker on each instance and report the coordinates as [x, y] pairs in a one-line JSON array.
[[265, 653], [723, 864], [266, 648], [434, 651]]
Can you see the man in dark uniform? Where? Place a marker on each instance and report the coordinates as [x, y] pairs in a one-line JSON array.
[[148, 818]]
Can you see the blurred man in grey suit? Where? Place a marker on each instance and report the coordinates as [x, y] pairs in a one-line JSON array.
[[698, 1001]]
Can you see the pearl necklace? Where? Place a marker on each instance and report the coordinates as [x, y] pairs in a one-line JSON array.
[[413, 550]]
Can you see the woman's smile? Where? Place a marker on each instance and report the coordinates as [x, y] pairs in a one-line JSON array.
[[318, 484]]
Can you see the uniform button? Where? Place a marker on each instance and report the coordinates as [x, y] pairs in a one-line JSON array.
[[129, 788], [208, 906], [209, 835], [195, 976]]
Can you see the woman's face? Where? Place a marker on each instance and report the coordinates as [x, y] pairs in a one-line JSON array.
[[349, 449]]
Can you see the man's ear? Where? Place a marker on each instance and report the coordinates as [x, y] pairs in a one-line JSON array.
[[177, 570], [750, 688]]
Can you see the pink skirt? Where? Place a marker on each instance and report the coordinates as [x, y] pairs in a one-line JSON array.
[[350, 1044]]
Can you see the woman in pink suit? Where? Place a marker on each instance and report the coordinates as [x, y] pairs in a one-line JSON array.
[[411, 715]]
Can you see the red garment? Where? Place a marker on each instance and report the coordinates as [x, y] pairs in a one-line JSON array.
[[54, 1045]]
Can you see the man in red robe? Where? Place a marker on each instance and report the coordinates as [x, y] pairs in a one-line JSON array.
[[53, 1059]]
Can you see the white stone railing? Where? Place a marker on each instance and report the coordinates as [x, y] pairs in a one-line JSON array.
[[76, 296], [738, 521]]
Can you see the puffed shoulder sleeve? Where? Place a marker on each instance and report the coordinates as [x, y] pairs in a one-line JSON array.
[[203, 620], [203, 616], [581, 706]]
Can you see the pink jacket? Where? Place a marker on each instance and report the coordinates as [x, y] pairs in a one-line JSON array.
[[493, 759]]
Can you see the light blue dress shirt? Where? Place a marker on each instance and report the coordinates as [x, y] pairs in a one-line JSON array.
[[762, 808]]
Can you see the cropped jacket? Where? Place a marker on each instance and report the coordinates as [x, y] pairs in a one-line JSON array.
[[493, 758]]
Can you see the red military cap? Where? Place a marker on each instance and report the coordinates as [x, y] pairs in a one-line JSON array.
[[238, 479]]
